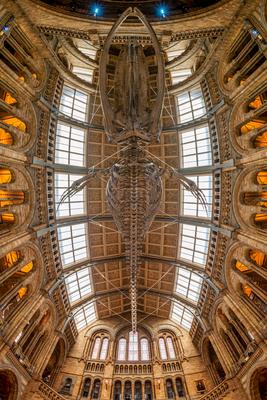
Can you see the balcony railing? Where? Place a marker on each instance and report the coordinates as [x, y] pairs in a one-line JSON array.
[[48, 393]]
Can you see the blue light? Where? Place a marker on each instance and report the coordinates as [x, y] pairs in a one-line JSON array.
[[96, 10], [162, 11], [6, 28]]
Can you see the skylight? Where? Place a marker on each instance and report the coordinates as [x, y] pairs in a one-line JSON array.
[[74, 103], [72, 243], [195, 147], [190, 105], [180, 74], [71, 206], [194, 243], [78, 285], [85, 73], [176, 49], [85, 315], [182, 315], [188, 284], [191, 206], [70, 145], [86, 48]]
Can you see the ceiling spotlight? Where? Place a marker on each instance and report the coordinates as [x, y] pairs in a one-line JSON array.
[[162, 11], [96, 10]]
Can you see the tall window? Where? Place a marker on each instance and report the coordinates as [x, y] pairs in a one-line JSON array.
[[96, 348], [194, 243], [70, 145], [190, 105], [166, 348], [122, 349], [74, 103], [162, 349], [170, 347], [133, 347], [144, 349], [74, 205], [104, 349], [72, 243]]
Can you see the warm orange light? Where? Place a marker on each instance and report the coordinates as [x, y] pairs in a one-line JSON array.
[[250, 125], [5, 176], [241, 267], [11, 259], [260, 217], [261, 140], [262, 178], [22, 291], [5, 137], [256, 103], [8, 198], [257, 257], [7, 218], [247, 290], [9, 99], [16, 122], [27, 268]]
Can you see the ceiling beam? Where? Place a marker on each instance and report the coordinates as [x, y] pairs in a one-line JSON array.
[[117, 292]]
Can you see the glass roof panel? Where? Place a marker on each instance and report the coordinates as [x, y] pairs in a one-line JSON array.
[[191, 206], [182, 315], [195, 147], [70, 145], [78, 285], [188, 284], [72, 243], [194, 243], [190, 105], [85, 315], [71, 206]]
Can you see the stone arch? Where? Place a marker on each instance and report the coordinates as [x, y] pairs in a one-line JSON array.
[[8, 385], [258, 383], [24, 212], [244, 214]]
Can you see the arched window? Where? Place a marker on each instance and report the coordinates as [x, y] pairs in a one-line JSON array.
[[122, 350], [96, 348], [104, 349], [145, 356], [162, 349], [133, 346], [170, 389], [86, 388], [170, 348], [96, 390]]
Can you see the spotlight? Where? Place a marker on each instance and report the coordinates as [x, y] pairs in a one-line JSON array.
[[96, 10], [162, 11]]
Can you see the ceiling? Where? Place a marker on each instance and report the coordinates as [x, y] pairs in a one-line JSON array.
[[111, 9]]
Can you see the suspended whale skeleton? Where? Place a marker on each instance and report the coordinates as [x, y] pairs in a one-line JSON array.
[[134, 187]]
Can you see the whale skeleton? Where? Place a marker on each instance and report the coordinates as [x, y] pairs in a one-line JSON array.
[[134, 187]]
